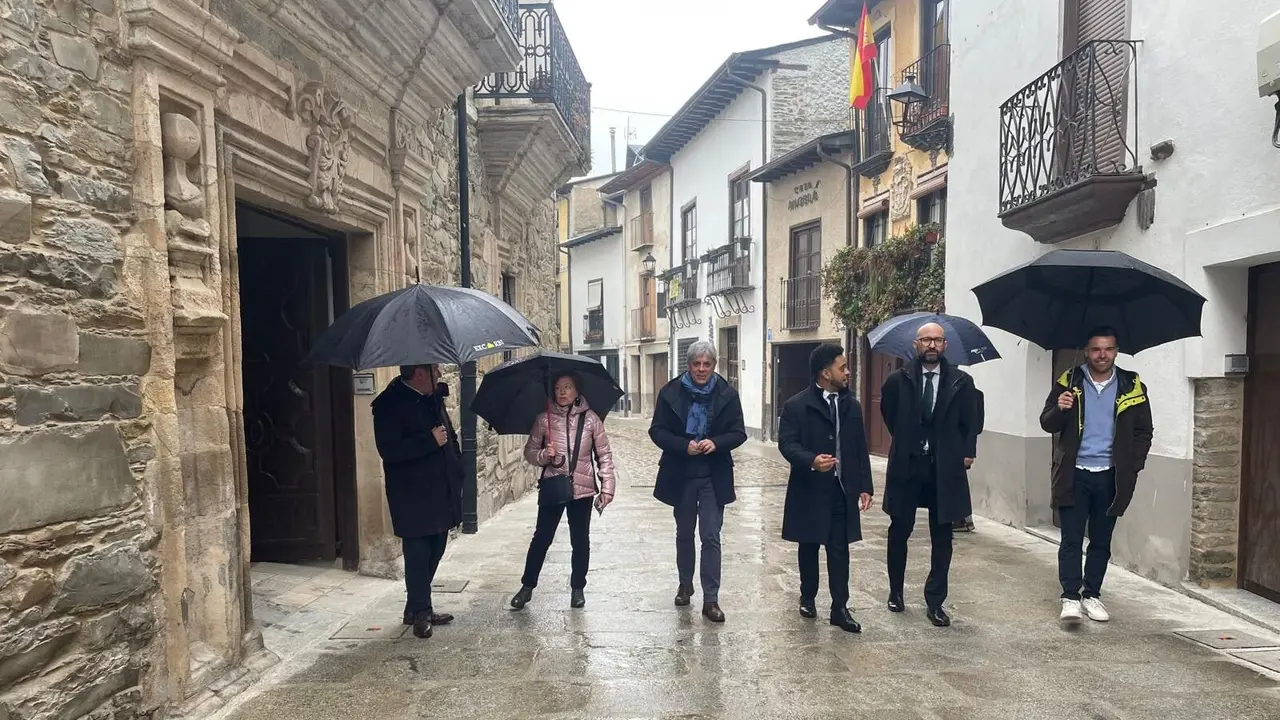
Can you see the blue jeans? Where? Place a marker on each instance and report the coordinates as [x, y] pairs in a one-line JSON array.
[[1094, 493]]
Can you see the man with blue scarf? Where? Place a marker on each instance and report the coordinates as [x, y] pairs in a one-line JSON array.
[[697, 423]]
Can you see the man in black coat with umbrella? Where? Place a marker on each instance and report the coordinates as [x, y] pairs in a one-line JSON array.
[[423, 467], [927, 407], [822, 437]]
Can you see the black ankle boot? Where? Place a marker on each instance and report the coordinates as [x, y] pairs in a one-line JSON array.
[[577, 598], [519, 599]]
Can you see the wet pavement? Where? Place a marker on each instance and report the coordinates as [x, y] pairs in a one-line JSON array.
[[631, 654]]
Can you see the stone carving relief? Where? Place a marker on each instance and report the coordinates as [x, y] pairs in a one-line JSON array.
[[900, 189], [328, 143], [191, 247], [410, 220]]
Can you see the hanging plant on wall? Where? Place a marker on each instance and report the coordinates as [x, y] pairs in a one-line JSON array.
[[867, 286]]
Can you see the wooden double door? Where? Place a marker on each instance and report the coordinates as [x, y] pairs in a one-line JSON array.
[[1259, 569]]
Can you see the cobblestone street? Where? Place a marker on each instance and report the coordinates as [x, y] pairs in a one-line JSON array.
[[631, 654]]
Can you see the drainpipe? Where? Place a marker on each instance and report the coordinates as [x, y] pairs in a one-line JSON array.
[[763, 244], [470, 520], [568, 293]]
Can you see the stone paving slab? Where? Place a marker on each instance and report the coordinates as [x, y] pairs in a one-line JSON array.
[[630, 654], [1227, 639], [1269, 659]]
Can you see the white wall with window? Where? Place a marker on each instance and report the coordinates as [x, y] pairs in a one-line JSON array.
[[597, 298]]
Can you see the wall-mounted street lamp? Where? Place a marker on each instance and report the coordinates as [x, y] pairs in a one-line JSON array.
[[909, 92], [648, 263]]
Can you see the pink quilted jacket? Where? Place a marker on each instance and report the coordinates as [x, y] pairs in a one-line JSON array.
[[593, 435]]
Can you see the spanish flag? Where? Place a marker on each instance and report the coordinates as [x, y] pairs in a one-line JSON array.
[[862, 81]]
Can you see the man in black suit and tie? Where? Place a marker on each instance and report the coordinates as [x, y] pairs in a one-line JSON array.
[[928, 408], [821, 436]]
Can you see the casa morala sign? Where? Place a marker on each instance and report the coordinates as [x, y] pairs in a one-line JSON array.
[[806, 193]]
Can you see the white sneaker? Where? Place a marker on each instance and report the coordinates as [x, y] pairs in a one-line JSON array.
[[1095, 610], [1070, 611]]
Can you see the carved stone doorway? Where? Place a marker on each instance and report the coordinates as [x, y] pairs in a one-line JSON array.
[[299, 418]]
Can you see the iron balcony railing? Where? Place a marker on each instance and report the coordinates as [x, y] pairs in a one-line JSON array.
[[644, 322], [642, 231], [802, 302], [593, 326], [933, 72], [510, 11], [1070, 124], [682, 286], [548, 73], [728, 272], [872, 125]]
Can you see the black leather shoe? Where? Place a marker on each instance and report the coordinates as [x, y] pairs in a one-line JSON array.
[[712, 612], [807, 610], [895, 603], [519, 599], [843, 619], [683, 594], [422, 625], [441, 618], [577, 599], [939, 617]]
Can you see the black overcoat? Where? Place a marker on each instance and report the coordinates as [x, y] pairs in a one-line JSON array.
[[423, 478], [725, 428], [954, 438], [805, 432]]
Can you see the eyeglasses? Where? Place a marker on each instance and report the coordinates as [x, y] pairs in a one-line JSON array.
[[931, 341]]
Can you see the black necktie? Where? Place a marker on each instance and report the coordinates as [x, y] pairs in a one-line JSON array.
[[835, 423], [927, 414]]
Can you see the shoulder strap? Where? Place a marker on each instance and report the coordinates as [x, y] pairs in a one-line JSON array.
[[577, 445]]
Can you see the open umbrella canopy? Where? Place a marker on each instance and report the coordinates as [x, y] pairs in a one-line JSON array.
[[512, 394], [1056, 299], [967, 344], [421, 325]]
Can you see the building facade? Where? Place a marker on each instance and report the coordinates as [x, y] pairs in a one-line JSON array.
[[644, 191], [189, 193], [757, 104], [595, 259], [903, 141], [1096, 75]]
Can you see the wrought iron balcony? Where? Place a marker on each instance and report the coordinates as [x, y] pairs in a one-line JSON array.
[[926, 124], [510, 11], [682, 286], [644, 322], [642, 232], [1067, 159], [802, 302], [873, 125], [728, 270], [593, 326], [549, 72]]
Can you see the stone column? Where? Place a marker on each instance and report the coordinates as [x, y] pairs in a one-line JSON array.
[[1215, 481]]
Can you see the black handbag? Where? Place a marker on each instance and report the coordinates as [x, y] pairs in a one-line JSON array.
[[558, 489]]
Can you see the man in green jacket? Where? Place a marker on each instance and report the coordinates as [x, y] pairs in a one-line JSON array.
[[1102, 416]]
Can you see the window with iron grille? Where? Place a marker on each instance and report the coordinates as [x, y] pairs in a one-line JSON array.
[[689, 231], [509, 297], [729, 355]]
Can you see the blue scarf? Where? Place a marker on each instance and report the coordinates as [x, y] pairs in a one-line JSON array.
[[695, 426]]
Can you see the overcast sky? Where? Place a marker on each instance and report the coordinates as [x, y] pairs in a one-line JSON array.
[[647, 58]]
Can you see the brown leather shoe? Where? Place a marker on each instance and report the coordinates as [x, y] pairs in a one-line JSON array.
[[683, 594], [712, 612]]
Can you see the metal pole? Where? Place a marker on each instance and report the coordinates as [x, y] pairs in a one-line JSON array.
[[470, 521]]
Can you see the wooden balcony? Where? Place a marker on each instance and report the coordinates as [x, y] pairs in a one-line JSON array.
[[641, 232], [644, 322], [926, 124]]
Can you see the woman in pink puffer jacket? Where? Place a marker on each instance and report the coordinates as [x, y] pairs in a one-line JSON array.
[[551, 450]]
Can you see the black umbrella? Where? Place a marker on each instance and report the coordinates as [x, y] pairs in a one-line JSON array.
[[421, 325], [512, 394], [1054, 300], [967, 344]]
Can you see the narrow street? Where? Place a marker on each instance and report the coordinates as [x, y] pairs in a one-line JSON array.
[[631, 654]]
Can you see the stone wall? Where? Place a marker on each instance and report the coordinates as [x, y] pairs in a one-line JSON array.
[[1215, 481], [78, 568], [814, 101]]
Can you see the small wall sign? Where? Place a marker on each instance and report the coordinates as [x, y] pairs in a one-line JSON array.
[[806, 193], [362, 384]]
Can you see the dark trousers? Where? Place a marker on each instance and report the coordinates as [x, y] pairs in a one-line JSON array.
[[699, 510], [924, 481], [544, 532], [837, 558], [1094, 493], [421, 559]]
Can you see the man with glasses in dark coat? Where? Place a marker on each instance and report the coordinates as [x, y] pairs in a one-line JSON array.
[[927, 407]]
